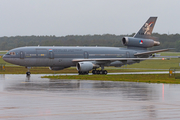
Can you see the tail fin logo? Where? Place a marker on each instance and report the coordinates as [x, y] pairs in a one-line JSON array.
[[140, 42], [147, 28]]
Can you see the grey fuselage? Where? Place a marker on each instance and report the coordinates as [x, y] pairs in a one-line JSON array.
[[63, 56]]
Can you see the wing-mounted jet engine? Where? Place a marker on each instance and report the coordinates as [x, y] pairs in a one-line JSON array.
[[85, 67]]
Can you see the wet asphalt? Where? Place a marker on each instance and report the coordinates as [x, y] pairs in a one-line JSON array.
[[45, 99]]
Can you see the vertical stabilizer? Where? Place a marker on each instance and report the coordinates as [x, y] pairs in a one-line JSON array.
[[146, 29]]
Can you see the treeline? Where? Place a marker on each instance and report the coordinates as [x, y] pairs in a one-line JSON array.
[[7, 43]]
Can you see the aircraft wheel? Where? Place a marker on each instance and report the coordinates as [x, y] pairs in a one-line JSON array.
[[93, 72], [105, 72], [28, 73], [83, 73], [101, 72], [80, 73]]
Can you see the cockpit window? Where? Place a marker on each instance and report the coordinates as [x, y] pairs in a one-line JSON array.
[[10, 53]]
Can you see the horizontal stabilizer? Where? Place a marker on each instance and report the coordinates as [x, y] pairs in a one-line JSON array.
[[151, 52]]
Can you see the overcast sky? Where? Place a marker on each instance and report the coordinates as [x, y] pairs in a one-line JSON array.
[[82, 17]]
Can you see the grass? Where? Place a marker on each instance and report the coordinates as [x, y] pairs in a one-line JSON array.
[[169, 53], [34, 70], [156, 64], [4, 52], [148, 78]]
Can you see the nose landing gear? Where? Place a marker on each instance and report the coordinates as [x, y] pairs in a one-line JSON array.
[[28, 73]]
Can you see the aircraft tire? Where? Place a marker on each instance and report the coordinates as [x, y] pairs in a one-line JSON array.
[[93, 72], [83, 73], [101, 72], [105, 72], [28, 73], [79, 72]]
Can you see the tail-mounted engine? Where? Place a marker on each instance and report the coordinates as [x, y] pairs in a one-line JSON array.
[[139, 42]]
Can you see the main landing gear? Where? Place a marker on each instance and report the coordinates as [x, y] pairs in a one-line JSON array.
[[102, 71], [99, 72]]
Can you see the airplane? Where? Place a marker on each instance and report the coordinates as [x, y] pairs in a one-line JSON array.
[[88, 58]]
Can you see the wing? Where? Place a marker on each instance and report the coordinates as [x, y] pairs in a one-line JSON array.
[[124, 59], [115, 59]]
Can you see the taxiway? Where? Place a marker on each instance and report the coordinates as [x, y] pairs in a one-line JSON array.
[[37, 98]]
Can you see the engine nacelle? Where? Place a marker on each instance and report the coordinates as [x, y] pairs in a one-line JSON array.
[[85, 66], [138, 42], [56, 68]]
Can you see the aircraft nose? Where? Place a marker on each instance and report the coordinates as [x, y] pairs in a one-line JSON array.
[[6, 58]]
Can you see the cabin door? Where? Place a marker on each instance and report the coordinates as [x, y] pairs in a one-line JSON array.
[[21, 55], [51, 55], [127, 55], [51, 58], [86, 55]]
